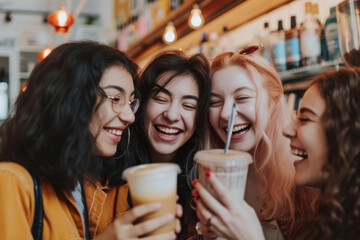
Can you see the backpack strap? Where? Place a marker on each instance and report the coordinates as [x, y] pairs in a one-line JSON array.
[[37, 226]]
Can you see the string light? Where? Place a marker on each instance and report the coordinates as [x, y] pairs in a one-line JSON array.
[[169, 35], [196, 19]]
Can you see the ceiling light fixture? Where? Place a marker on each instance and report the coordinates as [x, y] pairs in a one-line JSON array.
[[61, 19], [196, 19], [43, 53], [169, 35]]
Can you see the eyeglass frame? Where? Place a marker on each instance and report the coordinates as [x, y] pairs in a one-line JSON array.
[[121, 96]]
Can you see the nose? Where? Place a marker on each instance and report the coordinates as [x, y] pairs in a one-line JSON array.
[[127, 115], [226, 110], [289, 131], [172, 113]]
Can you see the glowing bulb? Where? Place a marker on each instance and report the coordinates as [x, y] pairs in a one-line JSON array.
[[62, 17], [169, 35], [43, 53], [196, 19]]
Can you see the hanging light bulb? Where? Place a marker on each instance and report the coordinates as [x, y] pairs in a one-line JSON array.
[[169, 35], [196, 19], [43, 53], [61, 19]]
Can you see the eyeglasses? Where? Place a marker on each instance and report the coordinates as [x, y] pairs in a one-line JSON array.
[[118, 102]]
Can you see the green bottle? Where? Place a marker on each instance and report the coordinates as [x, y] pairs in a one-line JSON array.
[[332, 35]]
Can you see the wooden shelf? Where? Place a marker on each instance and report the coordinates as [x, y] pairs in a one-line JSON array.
[[217, 14], [210, 10]]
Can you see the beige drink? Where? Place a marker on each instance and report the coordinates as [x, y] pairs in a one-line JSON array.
[[231, 169], [155, 182]]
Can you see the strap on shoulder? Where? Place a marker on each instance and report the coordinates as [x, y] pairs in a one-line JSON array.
[[37, 226]]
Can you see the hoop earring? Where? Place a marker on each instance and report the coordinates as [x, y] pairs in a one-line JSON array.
[[127, 145]]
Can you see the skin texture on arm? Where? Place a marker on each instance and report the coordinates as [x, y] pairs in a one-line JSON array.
[[225, 217]]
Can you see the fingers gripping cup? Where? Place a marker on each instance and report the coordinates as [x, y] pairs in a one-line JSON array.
[[155, 182], [231, 169]]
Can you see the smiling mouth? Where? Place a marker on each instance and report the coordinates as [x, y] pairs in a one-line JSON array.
[[299, 152], [167, 132], [114, 131], [239, 129]]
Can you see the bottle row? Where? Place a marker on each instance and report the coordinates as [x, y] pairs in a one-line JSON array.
[[309, 43]]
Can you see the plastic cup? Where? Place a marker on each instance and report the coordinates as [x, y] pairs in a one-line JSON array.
[[156, 182], [231, 169]]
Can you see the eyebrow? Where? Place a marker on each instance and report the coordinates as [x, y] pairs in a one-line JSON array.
[[167, 92], [236, 90], [120, 89], [305, 109]]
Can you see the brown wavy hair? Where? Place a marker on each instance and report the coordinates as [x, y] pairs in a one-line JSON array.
[[338, 211]]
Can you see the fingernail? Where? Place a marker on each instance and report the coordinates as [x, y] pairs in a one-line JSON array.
[[207, 173], [194, 192], [208, 231], [194, 182]]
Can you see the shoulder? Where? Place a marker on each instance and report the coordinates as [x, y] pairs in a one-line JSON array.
[[15, 176]]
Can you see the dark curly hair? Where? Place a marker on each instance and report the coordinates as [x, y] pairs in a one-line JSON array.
[[177, 64], [48, 131], [338, 212]]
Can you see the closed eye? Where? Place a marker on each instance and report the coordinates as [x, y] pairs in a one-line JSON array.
[[160, 99], [216, 103], [190, 106], [301, 119]]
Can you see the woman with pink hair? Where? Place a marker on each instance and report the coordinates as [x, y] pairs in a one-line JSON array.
[[251, 82]]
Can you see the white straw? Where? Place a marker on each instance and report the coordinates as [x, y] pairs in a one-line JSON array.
[[230, 128]]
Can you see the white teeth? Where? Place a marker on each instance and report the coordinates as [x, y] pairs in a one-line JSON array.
[[298, 152], [168, 130], [238, 128], [114, 131]]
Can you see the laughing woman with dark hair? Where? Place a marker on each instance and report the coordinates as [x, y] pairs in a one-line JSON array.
[[175, 91], [64, 131]]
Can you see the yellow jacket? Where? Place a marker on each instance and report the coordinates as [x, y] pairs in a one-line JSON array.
[[62, 218]]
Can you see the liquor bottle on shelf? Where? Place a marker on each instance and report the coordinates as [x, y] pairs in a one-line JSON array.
[[265, 41], [310, 38], [279, 47], [332, 35], [292, 38]]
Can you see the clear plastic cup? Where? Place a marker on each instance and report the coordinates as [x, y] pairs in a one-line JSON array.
[[231, 169], [156, 182]]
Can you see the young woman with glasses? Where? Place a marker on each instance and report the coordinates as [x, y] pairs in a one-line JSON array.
[[65, 129], [252, 83], [175, 91]]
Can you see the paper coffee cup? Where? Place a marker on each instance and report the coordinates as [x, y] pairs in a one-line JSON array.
[[231, 169], [156, 182]]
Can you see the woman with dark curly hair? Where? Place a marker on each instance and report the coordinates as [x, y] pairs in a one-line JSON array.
[[325, 138], [175, 91], [65, 129]]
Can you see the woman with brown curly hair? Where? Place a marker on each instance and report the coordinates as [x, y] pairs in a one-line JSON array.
[[325, 138]]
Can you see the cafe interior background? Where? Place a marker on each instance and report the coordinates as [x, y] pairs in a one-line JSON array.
[[139, 28]]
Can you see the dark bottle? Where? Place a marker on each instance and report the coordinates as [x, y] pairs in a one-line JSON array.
[[292, 38]]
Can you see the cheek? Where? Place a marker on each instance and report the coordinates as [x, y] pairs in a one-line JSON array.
[[214, 116], [190, 120]]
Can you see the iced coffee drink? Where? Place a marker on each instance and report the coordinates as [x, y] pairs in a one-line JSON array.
[[231, 169], [156, 182]]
